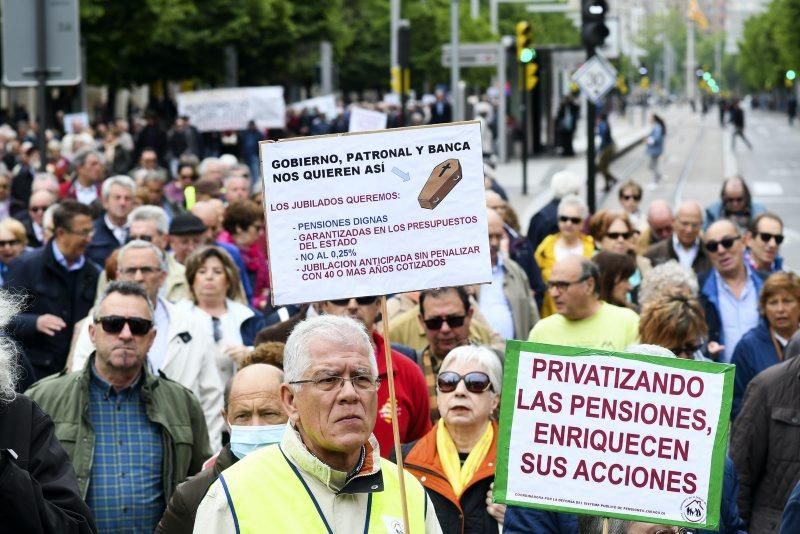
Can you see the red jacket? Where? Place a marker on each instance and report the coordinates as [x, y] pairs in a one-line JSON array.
[[413, 411], [467, 514]]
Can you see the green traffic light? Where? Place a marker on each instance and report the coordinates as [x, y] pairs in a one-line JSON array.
[[791, 75], [527, 55], [706, 76]]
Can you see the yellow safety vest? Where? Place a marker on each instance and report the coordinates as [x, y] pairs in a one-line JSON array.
[[267, 494]]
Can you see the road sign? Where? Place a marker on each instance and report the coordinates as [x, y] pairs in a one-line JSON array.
[[596, 78], [473, 55], [20, 45]]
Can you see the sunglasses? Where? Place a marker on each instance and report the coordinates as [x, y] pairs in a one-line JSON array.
[[113, 324], [637, 198], [732, 200], [362, 301], [9, 243], [37, 209], [147, 238], [713, 246], [766, 237], [453, 321], [475, 382], [617, 235], [573, 220], [686, 349]]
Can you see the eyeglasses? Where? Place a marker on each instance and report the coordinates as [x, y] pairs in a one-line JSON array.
[[766, 237], [573, 220], [329, 383], [733, 200], [9, 243], [475, 382], [562, 285], [727, 242], [686, 349], [637, 198], [617, 235], [37, 209], [142, 237], [362, 301], [145, 270], [453, 321], [113, 324], [82, 233]]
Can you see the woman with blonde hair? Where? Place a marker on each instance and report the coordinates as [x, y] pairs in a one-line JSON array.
[[13, 242], [675, 320]]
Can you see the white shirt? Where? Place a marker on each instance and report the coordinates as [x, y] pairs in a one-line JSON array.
[[85, 195], [564, 252], [494, 304], [38, 231], [63, 261], [5, 209], [686, 257], [120, 232]]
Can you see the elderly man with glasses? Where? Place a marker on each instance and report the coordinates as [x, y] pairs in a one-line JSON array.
[[685, 245], [131, 435], [581, 318], [326, 475], [413, 407], [729, 291]]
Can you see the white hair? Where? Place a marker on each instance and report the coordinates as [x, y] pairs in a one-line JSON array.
[[575, 201], [157, 175], [329, 329], [228, 179], [650, 350], [121, 180], [9, 369], [670, 274], [151, 213], [565, 183], [44, 181], [206, 163], [47, 217], [483, 356], [142, 244]]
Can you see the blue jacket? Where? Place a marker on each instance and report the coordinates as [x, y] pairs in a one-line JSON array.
[[103, 243], [527, 520], [754, 353], [714, 212], [709, 298], [655, 142], [790, 523]]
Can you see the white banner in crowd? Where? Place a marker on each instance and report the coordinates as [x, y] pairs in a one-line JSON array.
[[365, 120], [323, 104], [613, 434], [215, 110], [375, 213]]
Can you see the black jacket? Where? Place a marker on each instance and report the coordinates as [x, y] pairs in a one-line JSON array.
[[49, 289], [27, 222], [182, 508], [38, 490], [103, 243]]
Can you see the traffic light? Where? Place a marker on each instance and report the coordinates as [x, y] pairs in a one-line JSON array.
[[530, 76], [791, 75], [593, 29], [525, 52]]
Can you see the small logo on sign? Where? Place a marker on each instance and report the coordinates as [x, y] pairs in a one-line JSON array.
[[693, 510]]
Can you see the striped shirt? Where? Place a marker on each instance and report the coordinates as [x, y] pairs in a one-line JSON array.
[[126, 491]]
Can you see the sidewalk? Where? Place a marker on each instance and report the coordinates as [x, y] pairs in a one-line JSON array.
[[627, 131]]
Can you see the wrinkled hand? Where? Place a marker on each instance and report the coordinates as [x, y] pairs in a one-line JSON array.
[[237, 353], [497, 511], [715, 348], [49, 324]]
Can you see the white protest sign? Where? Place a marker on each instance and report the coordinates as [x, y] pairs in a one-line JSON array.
[[75, 121], [613, 434], [375, 213], [323, 104], [365, 120], [215, 110]]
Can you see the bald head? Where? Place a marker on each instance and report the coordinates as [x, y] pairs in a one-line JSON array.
[[254, 397], [688, 223], [496, 233], [206, 211], [659, 218]]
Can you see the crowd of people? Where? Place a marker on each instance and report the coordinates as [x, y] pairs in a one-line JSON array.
[[145, 374]]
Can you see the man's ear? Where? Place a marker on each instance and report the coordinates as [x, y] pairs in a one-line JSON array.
[[288, 398], [92, 327]]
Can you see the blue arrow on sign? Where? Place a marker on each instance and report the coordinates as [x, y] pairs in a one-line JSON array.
[[403, 175]]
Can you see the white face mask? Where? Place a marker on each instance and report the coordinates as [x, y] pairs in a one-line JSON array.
[[246, 439]]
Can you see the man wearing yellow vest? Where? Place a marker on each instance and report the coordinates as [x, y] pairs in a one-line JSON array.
[[326, 475]]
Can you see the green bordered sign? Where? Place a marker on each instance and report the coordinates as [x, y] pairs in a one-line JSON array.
[[613, 434]]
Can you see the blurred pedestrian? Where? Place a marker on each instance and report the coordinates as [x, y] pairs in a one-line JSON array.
[[655, 145], [630, 195], [735, 203], [737, 119], [607, 151]]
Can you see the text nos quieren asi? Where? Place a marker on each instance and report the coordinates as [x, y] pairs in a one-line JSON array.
[[631, 444], [337, 169]]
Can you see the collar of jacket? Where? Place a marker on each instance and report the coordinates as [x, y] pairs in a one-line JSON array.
[[423, 461], [149, 383], [367, 480]]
